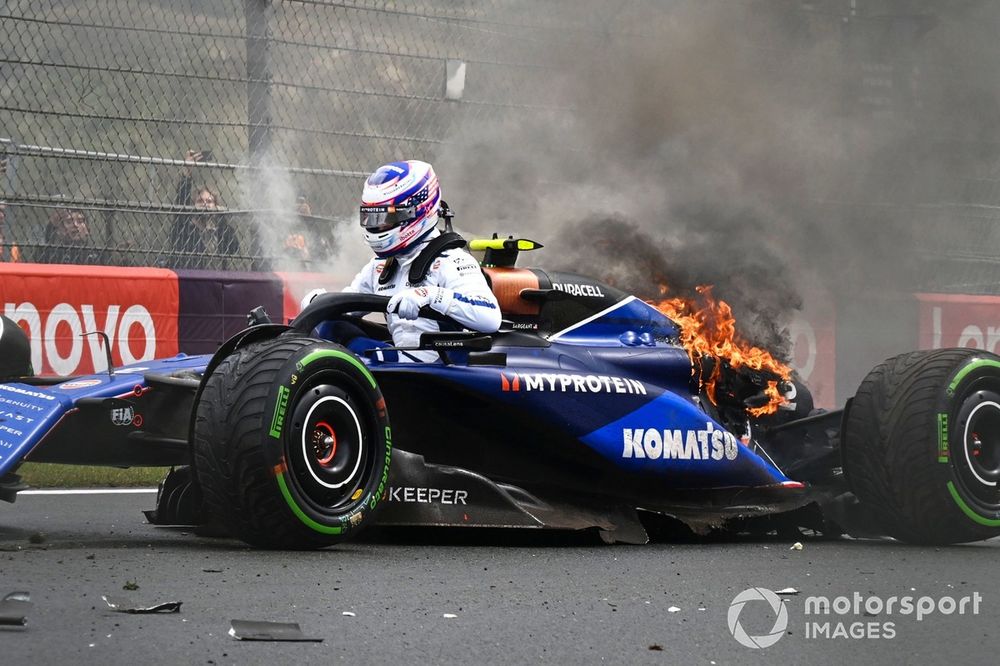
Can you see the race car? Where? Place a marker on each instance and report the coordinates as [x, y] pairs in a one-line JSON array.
[[584, 411]]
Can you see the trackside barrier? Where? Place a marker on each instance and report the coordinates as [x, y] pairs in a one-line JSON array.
[[153, 312], [145, 312]]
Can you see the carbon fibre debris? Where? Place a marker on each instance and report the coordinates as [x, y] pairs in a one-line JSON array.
[[14, 609], [122, 606], [253, 630]]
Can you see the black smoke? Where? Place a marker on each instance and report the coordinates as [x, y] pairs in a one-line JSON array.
[[754, 282], [764, 148]]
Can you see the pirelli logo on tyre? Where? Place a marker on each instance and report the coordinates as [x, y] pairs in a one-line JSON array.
[[943, 455], [280, 407]]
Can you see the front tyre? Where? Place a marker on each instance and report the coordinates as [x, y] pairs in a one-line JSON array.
[[292, 444], [921, 445]]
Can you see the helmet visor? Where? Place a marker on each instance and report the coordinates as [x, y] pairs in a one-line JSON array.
[[377, 219]]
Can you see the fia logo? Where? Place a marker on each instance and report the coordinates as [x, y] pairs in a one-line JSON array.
[[122, 416]]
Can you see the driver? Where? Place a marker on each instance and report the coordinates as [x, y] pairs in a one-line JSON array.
[[399, 217]]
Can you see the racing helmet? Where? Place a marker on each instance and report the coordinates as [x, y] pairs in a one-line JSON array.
[[399, 206]]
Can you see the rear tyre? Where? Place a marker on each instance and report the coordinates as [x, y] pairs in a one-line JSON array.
[[177, 499], [921, 445], [292, 444]]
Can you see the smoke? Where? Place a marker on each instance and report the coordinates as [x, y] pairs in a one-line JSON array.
[[271, 189], [761, 147], [291, 236], [635, 260]]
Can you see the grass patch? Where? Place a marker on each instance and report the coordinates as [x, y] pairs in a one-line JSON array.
[[45, 475]]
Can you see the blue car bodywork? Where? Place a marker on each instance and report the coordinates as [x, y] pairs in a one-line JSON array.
[[580, 418]]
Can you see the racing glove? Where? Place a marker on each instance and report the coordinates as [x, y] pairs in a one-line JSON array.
[[308, 298], [407, 303]]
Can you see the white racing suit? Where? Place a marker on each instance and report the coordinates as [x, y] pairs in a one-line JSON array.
[[467, 298]]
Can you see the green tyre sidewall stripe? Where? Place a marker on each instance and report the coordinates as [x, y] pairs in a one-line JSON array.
[[968, 511], [945, 448], [306, 520], [964, 372], [335, 353]]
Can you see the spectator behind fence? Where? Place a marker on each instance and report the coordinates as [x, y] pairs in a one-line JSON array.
[[303, 249], [7, 252], [67, 239], [202, 239], [295, 252]]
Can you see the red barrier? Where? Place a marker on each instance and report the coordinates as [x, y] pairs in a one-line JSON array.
[[952, 320], [297, 285], [135, 307], [139, 309], [813, 333]]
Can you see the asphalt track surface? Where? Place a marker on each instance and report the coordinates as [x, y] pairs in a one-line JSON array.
[[516, 597]]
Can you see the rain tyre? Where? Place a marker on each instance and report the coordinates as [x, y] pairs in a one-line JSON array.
[[292, 444], [921, 445]]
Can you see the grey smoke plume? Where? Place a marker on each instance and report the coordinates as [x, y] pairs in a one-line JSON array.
[[756, 146], [274, 192]]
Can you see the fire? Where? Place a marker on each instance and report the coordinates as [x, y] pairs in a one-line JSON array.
[[708, 328]]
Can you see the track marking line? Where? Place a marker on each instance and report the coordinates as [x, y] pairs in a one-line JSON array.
[[88, 491]]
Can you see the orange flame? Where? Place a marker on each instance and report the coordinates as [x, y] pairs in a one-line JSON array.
[[708, 328]]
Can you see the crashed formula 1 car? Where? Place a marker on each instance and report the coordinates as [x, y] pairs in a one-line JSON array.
[[584, 411]]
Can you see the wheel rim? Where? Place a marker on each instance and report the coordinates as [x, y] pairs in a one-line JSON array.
[[332, 465], [977, 458], [327, 449], [981, 443]]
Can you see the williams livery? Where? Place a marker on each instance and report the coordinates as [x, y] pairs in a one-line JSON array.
[[584, 411]]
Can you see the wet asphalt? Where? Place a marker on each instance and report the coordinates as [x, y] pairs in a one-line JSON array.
[[435, 597]]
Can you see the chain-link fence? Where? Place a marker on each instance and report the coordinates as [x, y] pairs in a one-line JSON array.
[[229, 134], [234, 134]]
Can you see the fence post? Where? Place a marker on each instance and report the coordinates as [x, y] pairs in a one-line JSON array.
[[258, 34], [257, 14]]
